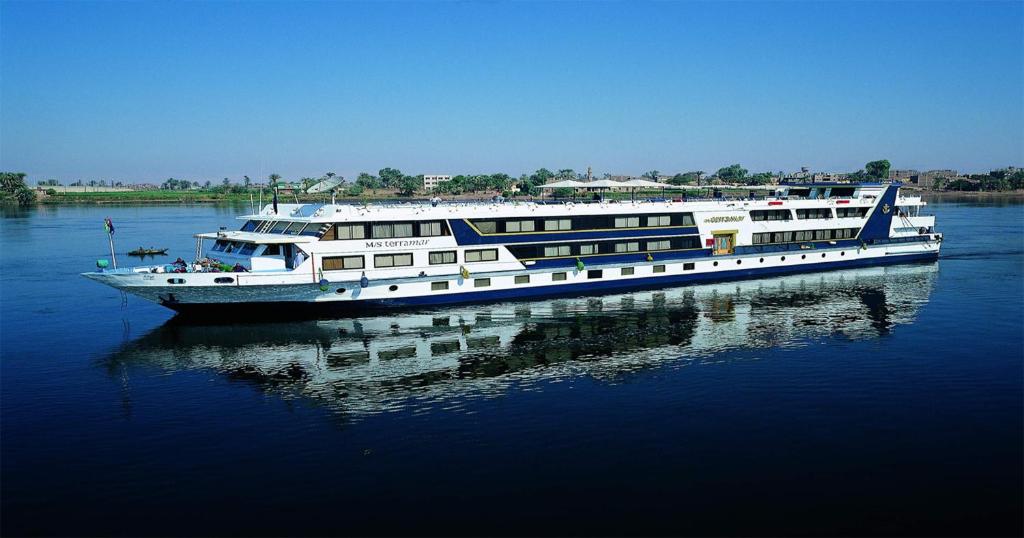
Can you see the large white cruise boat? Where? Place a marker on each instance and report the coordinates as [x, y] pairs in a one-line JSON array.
[[340, 258]]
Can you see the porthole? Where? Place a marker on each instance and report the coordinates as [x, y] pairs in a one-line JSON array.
[[392, 288], [175, 280], [339, 291], [761, 260], [739, 262], [715, 264], [822, 254], [224, 280], [803, 256], [843, 253], [782, 259]]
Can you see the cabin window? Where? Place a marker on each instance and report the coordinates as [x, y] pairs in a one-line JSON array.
[[558, 277], [659, 220], [517, 226], [557, 225], [815, 213], [822, 235], [251, 225], [627, 222], [557, 250], [439, 258], [487, 226], [482, 255], [280, 227], [851, 212], [688, 266], [219, 246], [392, 260], [247, 249], [391, 230], [272, 250], [295, 228], [523, 279], [782, 237], [481, 282], [627, 271], [659, 245], [687, 219], [841, 192], [633, 246], [438, 286], [770, 214], [431, 229], [588, 249], [659, 268], [224, 280], [595, 273], [339, 263], [349, 231]]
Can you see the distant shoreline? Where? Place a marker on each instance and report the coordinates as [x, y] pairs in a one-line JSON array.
[[164, 197], [948, 195]]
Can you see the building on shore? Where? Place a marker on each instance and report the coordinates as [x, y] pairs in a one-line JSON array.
[[430, 182], [905, 176], [927, 179]]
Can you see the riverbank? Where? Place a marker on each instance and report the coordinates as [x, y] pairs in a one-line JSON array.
[[215, 197], [952, 196]]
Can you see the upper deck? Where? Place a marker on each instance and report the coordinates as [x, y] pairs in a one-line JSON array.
[[796, 197]]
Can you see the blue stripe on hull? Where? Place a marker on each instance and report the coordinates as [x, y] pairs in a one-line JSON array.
[[631, 284]]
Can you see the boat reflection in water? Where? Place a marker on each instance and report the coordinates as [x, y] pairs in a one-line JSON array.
[[437, 357]]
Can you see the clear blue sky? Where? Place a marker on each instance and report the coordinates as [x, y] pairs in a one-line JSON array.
[[146, 91]]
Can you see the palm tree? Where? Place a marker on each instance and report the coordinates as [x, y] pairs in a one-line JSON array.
[[246, 181], [274, 178]]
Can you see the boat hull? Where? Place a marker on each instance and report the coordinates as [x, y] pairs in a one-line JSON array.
[[302, 309]]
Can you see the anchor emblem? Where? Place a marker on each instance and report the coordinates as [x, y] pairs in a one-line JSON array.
[[886, 209]]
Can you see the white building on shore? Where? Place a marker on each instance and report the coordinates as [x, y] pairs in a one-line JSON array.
[[432, 181]]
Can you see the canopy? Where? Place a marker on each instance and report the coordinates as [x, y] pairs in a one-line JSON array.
[[566, 184], [643, 183], [605, 184]]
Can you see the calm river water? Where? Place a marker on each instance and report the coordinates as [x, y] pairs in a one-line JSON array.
[[881, 401]]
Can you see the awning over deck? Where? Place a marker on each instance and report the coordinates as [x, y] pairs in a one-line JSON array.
[[258, 238]]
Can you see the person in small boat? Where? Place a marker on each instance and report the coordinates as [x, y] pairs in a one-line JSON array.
[[239, 268]]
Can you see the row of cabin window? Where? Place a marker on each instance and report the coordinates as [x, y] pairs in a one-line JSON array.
[[558, 277], [340, 263], [803, 235], [385, 230], [593, 222], [811, 213], [819, 192], [234, 247], [603, 247], [283, 227]]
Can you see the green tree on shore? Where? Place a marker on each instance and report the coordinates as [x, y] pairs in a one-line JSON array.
[[877, 169], [732, 173], [14, 189]]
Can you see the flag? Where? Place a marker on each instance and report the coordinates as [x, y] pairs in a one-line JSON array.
[[108, 225]]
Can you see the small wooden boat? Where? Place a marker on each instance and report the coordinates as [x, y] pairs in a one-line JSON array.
[[148, 252]]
